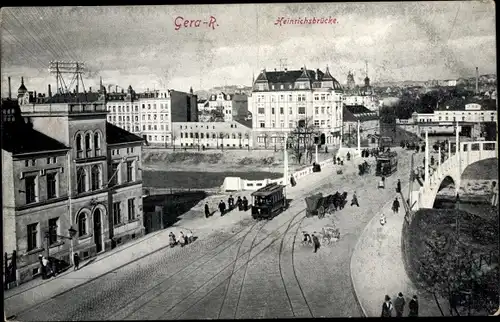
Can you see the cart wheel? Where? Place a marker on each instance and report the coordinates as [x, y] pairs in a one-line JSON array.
[[321, 212]]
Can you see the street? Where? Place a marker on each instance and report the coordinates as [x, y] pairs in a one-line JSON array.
[[257, 270]]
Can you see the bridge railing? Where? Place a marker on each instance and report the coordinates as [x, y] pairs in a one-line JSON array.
[[470, 152]]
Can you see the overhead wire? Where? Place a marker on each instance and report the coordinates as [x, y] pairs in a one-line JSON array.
[[35, 41], [32, 55]]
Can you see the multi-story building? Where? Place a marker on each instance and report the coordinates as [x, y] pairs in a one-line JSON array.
[[231, 106], [362, 96], [150, 114], [470, 113], [212, 135], [81, 175], [368, 123], [280, 99]]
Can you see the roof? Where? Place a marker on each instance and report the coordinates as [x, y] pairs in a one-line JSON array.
[[291, 76], [21, 138], [458, 104], [354, 113], [201, 101], [116, 135], [72, 98], [267, 190]]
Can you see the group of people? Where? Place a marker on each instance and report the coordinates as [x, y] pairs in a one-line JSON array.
[[311, 239], [395, 204], [241, 203], [181, 240], [399, 305]]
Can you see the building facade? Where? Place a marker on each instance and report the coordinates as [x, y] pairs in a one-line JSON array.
[[470, 113], [150, 114], [83, 177], [212, 135], [280, 99], [368, 123], [364, 95]]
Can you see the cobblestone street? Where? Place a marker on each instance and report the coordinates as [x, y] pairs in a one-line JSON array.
[[250, 270]]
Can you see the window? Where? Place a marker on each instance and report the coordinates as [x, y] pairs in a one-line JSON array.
[[322, 110], [88, 145], [96, 177], [155, 127], [97, 144], [116, 213], [302, 110], [114, 174], [136, 118], [282, 110], [162, 127], [119, 118], [316, 110], [316, 122], [143, 117], [149, 117], [272, 111], [130, 170], [149, 106], [262, 124], [51, 185], [261, 110], [322, 122], [82, 224], [81, 176], [53, 230], [282, 124], [182, 135], [30, 189], [290, 124], [290, 110], [79, 146], [273, 124], [154, 117], [32, 236], [143, 106], [144, 127], [131, 209], [128, 118]]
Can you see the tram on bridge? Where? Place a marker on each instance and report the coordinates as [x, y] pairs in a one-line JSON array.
[[268, 201], [387, 164]]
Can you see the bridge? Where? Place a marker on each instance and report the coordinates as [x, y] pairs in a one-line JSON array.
[[465, 154]]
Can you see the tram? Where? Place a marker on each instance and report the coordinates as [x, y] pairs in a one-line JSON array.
[[387, 164], [268, 201]]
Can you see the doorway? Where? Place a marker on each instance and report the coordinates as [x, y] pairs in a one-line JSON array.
[[97, 230]]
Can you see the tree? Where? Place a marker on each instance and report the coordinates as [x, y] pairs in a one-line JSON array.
[[301, 139], [387, 115]]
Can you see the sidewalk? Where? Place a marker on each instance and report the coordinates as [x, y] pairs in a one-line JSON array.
[[377, 267]]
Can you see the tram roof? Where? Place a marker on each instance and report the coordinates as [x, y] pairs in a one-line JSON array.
[[268, 190]]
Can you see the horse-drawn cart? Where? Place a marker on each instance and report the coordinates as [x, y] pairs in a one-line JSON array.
[[319, 205]]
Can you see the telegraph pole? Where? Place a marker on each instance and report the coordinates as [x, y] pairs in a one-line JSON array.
[[59, 68]]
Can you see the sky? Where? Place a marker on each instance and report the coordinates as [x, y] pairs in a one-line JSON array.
[[141, 45]]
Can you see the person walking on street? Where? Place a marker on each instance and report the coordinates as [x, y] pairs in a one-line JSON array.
[[230, 202], [224, 208], [76, 260], [245, 203], [387, 307], [182, 239], [207, 211], [316, 242], [221, 208], [398, 186], [239, 203], [399, 305], [383, 221], [395, 205], [48, 269], [354, 200], [413, 306], [189, 236]]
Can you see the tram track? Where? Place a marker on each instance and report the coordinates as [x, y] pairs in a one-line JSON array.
[[224, 280]]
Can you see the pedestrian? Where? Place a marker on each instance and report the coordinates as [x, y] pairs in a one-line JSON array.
[[48, 269], [239, 203], [76, 261], [182, 239], [245, 203], [413, 306], [399, 305], [42, 267], [224, 208], [172, 240], [383, 220], [316, 242], [381, 183], [354, 200], [292, 181], [221, 208], [395, 205], [307, 238], [189, 236], [387, 307], [207, 211], [230, 202], [398, 186]]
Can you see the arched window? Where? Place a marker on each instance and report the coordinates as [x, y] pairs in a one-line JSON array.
[[96, 177], [97, 144], [79, 146], [81, 176], [88, 144], [82, 224]]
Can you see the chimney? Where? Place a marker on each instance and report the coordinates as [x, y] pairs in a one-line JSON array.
[[10, 93], [49, 91], [123, 91], [477, 80], [90, 89]]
